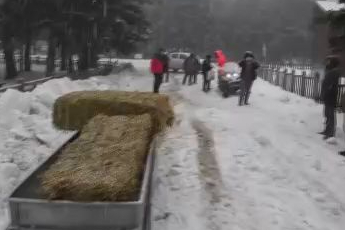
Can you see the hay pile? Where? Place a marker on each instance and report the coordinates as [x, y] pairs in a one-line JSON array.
[[74, 110], [105, 163]]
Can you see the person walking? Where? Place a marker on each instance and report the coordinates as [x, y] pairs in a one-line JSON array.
[[191, 67], [165, 59], [206, 67], [157, 69], [342, 153], [197, 68], [248, 75], [329, 94]]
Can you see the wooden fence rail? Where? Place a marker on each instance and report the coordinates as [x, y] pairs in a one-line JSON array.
[[300, 84], [25, 86]]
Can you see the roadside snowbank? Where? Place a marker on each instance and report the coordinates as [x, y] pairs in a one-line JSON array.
[[26, 131]]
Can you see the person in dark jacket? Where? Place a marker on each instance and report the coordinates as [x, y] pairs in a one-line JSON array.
[[191, 67], [165, 59], [329, 94], [248, 75], [343, 110], [157, 69], [206, 67]]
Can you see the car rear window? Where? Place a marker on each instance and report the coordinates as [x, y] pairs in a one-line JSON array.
[[183, 56], [174, 55]]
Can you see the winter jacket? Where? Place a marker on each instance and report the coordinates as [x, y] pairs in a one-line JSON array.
[[221, 59], [165, 60], [249, 67], [206, 66], [329, 88], [157, 66], [191, 66]]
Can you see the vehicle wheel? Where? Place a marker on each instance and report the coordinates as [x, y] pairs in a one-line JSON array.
[[232, 91], [226, 94]]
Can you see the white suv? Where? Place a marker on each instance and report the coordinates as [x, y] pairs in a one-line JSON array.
[[177, 60]]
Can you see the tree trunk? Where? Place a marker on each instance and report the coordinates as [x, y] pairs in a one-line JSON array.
[[63, 56], [94, 57], [50, 65], [27, 60], [83, 58], [11, 71], [70, 65]]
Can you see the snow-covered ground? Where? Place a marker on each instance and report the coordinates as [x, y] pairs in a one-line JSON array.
[[256, 167], [259, 167]]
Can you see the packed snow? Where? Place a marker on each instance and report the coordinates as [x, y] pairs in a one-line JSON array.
[[257, 167], [331, 5]]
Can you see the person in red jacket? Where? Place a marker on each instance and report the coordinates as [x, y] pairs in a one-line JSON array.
[[220, 57], [157, 69]]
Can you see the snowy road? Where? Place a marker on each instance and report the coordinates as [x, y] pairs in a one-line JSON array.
[[260, 167]]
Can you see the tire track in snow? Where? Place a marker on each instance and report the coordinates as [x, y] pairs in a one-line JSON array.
[[214, 197], [208, 165], [209, 174]]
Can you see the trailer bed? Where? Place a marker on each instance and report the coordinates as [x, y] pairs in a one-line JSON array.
[[29, 210]]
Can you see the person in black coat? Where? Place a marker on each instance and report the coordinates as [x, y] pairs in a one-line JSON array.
[[165, 59], [206, 67], [329, 95], [248, 75]]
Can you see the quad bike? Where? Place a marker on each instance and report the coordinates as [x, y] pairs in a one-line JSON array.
[[229, 81]]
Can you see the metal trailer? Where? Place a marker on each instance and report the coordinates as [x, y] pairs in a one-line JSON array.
[[29, 210]]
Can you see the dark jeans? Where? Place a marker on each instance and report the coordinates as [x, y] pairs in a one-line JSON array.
[[207, 83], [195, 78], [246, 87], [157, 82], [166, 76], [330, 120], [185, 79]]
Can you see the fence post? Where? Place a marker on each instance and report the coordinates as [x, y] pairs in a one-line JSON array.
[[284, 79], [316, 86], [304, 75], [293, 78], [261, 73], [266, 73], [277, 76], [269, 74]]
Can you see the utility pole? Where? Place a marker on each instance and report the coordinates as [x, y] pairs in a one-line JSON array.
[[105, 8], [264, 52]]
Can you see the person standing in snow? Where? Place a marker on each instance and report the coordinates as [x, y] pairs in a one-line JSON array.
[[248, 75], [329, 94], [206, 67], [157, 69], [197, 68], [191, 67], [343, 110], [220, 57], [165, 59]]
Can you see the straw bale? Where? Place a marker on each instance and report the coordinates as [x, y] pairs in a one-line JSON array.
[[105, 163], [72, 111]]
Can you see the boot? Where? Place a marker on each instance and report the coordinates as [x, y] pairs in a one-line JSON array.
[[322, 133], [342, 153], [246, 99], [240, 101]]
